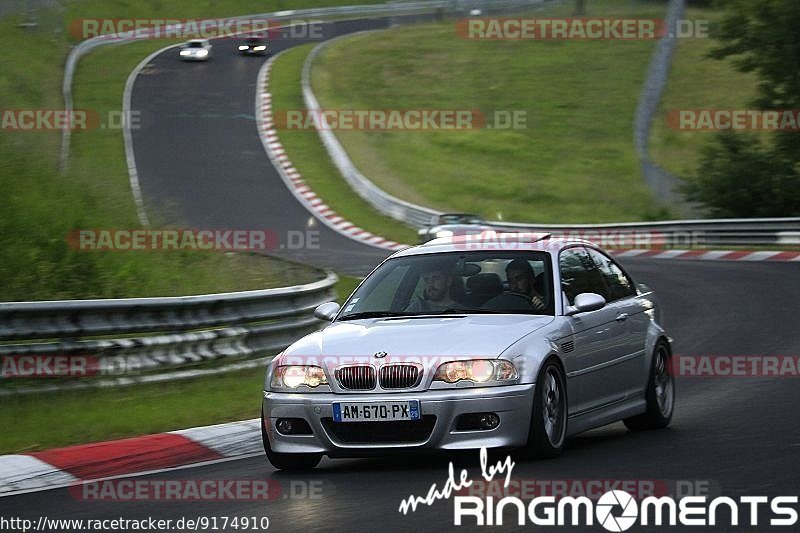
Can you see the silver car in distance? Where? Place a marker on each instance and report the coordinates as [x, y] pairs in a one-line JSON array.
[[196, 50], [507, 342]]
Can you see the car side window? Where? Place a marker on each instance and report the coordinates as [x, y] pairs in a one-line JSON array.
[[579, 274], [619, 284]]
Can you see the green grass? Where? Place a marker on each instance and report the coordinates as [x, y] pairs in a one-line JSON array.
[[574, 163], [308, 155], [53, 420], [42, 206], [104, 414], [696, 82]]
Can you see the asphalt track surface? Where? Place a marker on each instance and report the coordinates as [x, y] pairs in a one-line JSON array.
[[740, 435], [736, 436], [201, 163]]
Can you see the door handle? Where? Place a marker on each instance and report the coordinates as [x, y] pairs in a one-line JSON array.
[[622, 317]]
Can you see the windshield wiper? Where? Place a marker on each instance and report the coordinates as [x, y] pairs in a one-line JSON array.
[[463, 310], [371, 314]]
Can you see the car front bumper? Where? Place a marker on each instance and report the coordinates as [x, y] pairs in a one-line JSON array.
[[439, 409]]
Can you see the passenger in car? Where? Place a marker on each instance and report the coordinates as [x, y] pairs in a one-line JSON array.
[[522, 289]]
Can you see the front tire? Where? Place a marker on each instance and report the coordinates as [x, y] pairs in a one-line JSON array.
[[548, 427], [660, 393], [287, 461]]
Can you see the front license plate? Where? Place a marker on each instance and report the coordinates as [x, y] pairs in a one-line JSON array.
[[375, 411]]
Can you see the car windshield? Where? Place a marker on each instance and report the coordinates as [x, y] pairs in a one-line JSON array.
[[485, 282], [195, 44]]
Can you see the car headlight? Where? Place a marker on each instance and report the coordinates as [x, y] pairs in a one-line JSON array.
[[242, 47], [202, 53], [293, 376], [260, 48], [477, 370], [185, 52]]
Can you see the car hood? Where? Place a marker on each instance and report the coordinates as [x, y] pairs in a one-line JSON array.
[[435, 336]]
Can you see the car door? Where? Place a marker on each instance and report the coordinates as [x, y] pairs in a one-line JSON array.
[[631, 321], [596, 337]]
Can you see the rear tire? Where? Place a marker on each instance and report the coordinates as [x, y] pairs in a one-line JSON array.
[[660, 393], [288, 461], [548, 428]]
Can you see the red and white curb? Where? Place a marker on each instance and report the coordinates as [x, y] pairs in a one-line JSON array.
[[291, 176], [63, 467], [294, 181], [711, 255]]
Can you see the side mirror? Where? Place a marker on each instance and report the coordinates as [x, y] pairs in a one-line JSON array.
[[585, 302], [326, 311]]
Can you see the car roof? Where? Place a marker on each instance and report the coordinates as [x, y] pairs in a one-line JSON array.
[[494, 241]]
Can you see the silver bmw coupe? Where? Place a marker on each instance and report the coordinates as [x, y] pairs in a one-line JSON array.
[[497, 341]]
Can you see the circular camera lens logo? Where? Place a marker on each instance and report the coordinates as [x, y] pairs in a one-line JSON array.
[[616, 499]]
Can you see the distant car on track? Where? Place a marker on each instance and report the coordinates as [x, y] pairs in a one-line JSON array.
[[196, 50], [449, 224], [254, 46], [448, 347]]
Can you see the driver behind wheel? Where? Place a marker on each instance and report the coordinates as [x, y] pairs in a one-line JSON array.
[[522, 291]]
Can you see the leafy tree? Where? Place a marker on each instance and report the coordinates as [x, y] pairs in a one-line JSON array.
[[740, 175]]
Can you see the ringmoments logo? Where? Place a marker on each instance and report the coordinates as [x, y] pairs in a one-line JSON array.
[[615, 510]]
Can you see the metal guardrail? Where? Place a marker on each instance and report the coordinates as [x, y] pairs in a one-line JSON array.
[[411, 214], [663, 184], [689, 233], [414, 215], [160, 334], [680, 233]]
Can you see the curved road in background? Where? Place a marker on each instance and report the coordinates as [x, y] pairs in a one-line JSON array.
[[738, 436], [201, 163]]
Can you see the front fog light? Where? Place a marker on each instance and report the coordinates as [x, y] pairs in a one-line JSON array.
[[284, 426], [488, 421]]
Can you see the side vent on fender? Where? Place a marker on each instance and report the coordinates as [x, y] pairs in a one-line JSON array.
[[568, 346]]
